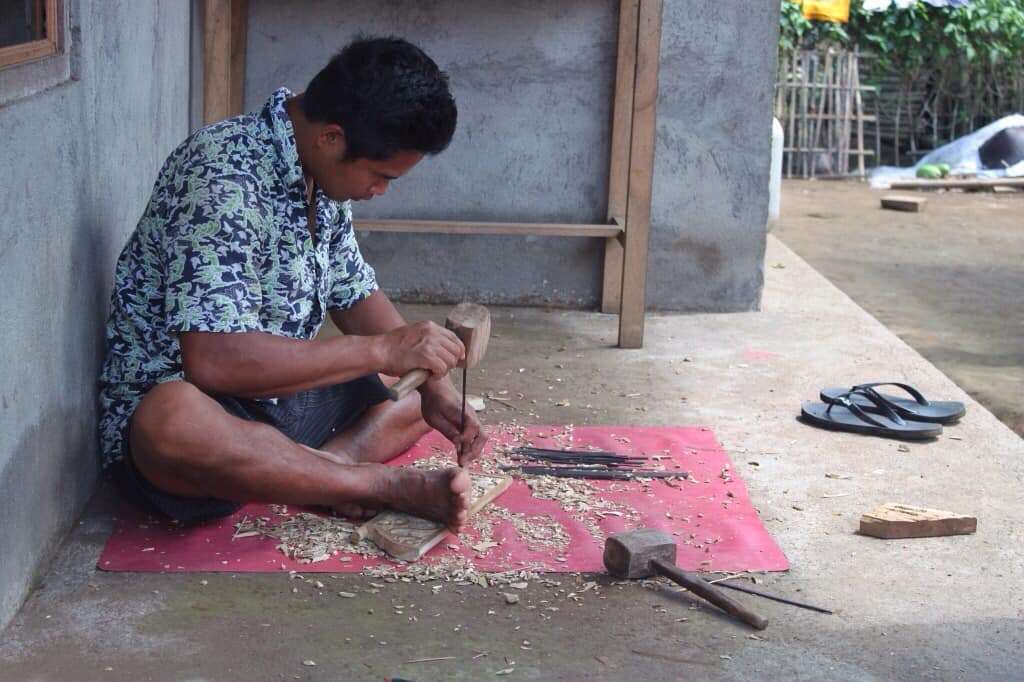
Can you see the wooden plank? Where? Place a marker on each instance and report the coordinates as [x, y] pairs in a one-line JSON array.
[[618, 166], [641, 172], [829, 117], [866, 152], [971, 183], [469, 227], [622, 109], [407, 538], [892, 520], [896, 202], [614, 251], [216, 60], [239, 29]]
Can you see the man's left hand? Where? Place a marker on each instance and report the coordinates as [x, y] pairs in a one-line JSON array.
[[441, 405]]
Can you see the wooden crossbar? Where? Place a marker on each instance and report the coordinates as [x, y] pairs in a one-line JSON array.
[[470, 227]]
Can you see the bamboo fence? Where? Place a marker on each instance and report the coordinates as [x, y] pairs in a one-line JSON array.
[[821, 103]]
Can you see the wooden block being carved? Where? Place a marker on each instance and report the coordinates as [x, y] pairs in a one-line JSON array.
[[893, 520], [407, 538], [903, 203]]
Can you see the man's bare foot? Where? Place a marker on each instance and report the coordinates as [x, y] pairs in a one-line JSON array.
[[439, 494], [353, 510], [356, 511]]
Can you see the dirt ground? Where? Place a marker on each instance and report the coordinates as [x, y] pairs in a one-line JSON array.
[[948, 280]]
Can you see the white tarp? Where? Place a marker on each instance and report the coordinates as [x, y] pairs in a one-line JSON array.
[[961, 155]]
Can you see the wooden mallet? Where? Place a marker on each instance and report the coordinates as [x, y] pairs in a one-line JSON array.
[[647, 551], [472, 324]]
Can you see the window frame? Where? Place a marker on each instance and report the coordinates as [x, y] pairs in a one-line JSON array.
[[21, 53]]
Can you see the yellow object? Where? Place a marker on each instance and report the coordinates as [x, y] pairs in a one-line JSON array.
[[827, 10]]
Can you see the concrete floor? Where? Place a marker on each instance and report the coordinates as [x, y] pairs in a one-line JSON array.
[[948, 280], [935, 608]]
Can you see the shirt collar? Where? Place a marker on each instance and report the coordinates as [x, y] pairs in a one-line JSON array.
[[283, 135]]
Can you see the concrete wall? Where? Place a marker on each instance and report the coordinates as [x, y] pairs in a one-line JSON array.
[[534, 82], [711, 169], [78, 163]]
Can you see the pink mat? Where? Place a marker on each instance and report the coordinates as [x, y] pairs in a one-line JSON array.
[[710, 517]]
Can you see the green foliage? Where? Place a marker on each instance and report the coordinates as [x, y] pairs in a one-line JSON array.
[[965, 64], [987, 31]]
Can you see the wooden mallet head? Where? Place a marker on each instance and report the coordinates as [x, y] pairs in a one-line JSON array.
[[629, 554], [472, 324]]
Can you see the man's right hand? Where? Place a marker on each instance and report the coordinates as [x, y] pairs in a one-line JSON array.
[[424, 345]]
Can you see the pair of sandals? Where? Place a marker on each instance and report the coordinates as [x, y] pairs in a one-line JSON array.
[[862, 409]]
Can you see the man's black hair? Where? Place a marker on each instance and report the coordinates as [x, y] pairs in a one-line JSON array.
[[387, 95]]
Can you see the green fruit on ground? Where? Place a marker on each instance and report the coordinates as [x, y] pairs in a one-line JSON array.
[[929, 171]]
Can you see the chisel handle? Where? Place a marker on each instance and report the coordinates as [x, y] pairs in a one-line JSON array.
[[703, 588], [409, 382]]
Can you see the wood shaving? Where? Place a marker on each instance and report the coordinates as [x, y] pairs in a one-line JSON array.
[[457, 569], [308, 538]]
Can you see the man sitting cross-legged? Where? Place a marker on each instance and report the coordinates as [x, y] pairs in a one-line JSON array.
[[216, 389]]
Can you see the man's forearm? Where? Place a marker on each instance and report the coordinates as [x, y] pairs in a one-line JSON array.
[[375, 314], [259, 365]]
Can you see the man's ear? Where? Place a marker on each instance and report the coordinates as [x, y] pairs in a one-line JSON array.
[[331, 137]]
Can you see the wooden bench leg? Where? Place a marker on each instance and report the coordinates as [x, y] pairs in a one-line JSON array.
[[611, 292], [641, 169], [618, 166]]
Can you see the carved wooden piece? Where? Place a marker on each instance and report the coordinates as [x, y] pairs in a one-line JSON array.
[[894, 520], [407, 538]]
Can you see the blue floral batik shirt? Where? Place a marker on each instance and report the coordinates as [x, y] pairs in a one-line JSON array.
[[224, 246]]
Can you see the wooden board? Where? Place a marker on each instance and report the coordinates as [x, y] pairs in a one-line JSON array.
[[903, 203], [970, 183], [618, 166], [407, 538], [893, 520], [641, 176], [465, 227], [224, 37]]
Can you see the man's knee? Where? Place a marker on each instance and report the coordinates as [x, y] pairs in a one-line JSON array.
[[161, 420]]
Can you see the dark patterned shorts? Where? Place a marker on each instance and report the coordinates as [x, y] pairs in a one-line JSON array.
[[310, 418]]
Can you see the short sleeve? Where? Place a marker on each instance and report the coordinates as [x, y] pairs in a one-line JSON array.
[[212, 252], [353, 279]]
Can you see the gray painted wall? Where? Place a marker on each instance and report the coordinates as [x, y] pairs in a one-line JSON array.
[[78, 163], [534, 82]]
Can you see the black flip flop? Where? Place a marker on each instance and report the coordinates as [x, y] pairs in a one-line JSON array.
[[845, 415], [918, 408]]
